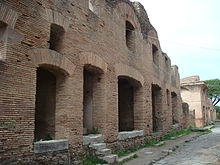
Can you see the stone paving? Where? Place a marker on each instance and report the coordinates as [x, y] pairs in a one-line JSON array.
[[187, 150], [200, 151]]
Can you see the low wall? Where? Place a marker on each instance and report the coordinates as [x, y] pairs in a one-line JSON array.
[[50, 158], [66, 155], [51, 152], [127, 139]]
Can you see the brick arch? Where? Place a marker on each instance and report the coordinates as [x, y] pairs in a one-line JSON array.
[[94, 60], [125, 70], [8, 15], [57, 18], [127, 11], [49, 57]]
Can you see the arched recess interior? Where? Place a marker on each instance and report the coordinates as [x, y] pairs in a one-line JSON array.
[[94, 68], [130, 98], [52, 73]]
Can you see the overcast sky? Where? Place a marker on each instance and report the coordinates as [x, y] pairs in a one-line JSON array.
[[189, 32]]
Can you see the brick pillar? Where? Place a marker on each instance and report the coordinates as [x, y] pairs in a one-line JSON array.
[[139, 122], [167, 111], [157, 108], [99, 103], [164, 111], [112, 106], [69, 106], [147, 114]]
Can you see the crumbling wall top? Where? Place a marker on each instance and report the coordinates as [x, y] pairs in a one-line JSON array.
[[190, 79], [141, 14], [175, 76], [193, 81]]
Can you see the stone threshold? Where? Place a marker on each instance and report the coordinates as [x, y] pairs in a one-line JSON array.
[[130, 134], [51, 145]]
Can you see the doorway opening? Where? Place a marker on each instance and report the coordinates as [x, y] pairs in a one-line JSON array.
[[93, 94], [174, 108], [156, 108], [45, 105]]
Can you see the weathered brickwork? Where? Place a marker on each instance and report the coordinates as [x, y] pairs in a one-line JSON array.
[[195, 93], [91, 52], [186, 115]]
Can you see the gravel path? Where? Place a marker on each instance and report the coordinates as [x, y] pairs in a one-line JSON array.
[[189, 150]]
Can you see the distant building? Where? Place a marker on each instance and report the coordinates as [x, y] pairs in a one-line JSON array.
[[195, 93]]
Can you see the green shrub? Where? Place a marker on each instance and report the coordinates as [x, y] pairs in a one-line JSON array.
[[176, 133], [150, 142], [95, 131]]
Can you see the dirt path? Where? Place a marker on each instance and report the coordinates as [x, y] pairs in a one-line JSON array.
[[188, 150]]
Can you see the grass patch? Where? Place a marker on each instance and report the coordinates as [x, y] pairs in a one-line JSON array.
[[176, 133], [192, 127], [128, 151], [150, 142], [92, 160], [126, 160], [95, 131]]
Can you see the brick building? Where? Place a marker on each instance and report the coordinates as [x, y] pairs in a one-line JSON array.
[[72, 68]]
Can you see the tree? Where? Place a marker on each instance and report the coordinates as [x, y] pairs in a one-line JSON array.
[[214, 90], [217, 109]]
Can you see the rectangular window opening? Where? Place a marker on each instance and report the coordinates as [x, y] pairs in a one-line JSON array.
[[130, 36], [155, 55], [56, 37]]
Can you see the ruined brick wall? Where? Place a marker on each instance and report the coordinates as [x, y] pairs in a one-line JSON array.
[[186, 115], [93, 38], [192, 117], [175, 86]]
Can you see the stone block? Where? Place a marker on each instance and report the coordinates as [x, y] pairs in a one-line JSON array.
[[91, 139], [104, 152], [110, 158], [52, 145], [130, 134], [98, 146]]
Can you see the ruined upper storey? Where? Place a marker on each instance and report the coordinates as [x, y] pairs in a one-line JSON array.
[[141, 14], [127, 16]]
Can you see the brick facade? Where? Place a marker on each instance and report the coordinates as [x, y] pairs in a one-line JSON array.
[[100, 45]]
